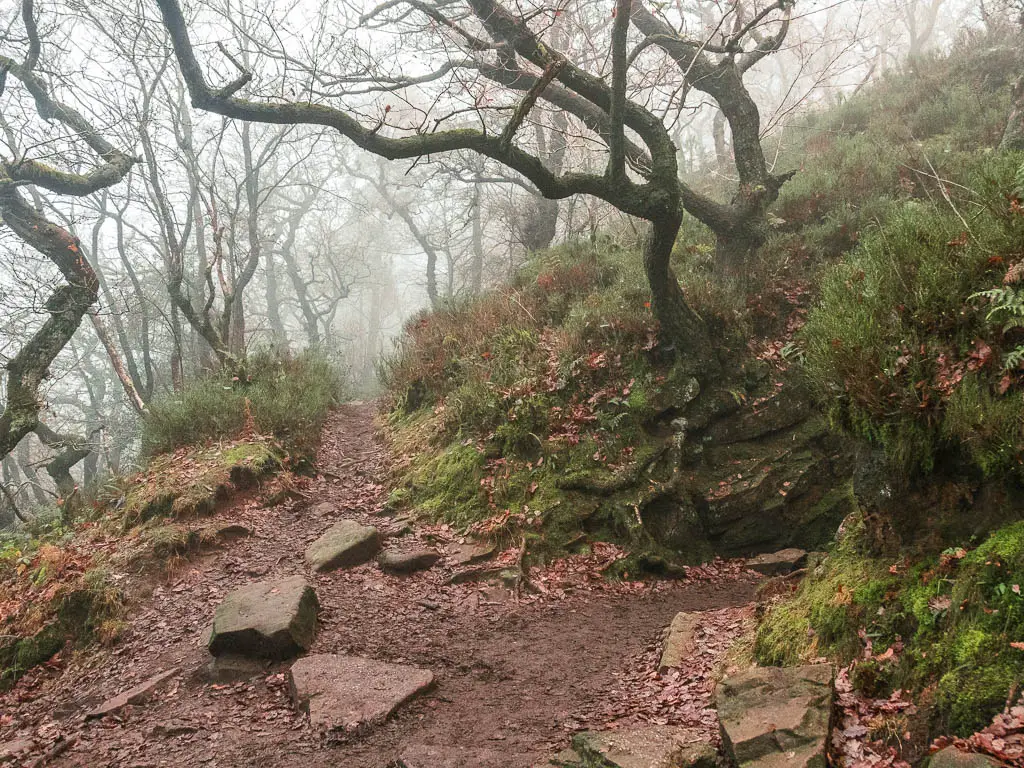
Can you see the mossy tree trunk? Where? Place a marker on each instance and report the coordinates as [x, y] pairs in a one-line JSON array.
[[677, 320]]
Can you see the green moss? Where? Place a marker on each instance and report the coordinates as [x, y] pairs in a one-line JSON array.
[[446, 486], [955, 615], [968, 698]]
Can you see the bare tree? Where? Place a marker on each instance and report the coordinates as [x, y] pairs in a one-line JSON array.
[[68, 303], [506, 49]]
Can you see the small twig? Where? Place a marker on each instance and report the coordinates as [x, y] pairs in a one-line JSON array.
[[1011, 697]]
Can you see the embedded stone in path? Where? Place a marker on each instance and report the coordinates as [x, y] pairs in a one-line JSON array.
[[678, 641], [12, 751], [652, 746], [232, 531], [472, 552], [951, 757], [778, 563], [135, 695], [345, 544], [408, 562], [230, 668], [353, 693], [773, 717], [454, 756], [267, 619]]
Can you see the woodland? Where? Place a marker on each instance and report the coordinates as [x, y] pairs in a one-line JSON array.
[[443, 383]]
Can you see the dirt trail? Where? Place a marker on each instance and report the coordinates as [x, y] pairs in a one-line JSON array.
[[513, 680]]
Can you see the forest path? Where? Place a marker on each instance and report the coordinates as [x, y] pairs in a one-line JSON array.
[[513, 679]]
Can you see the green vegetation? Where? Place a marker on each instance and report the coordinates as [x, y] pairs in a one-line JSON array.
[[49, 596], [903, 345], [954, 623], [887, 144], [914, 225], [190, 481], [287, 398]]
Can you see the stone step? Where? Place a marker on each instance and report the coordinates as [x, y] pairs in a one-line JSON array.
[[268, 619], [345, 544], [679, 641], [352, 693], [396, 561], [651, 746]]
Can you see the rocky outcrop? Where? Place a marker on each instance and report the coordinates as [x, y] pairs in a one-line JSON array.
[[785, 488], [269, 619], [773, 717], [345, 544], [780, 563], [653, 746], [737, 472], [352, 693]]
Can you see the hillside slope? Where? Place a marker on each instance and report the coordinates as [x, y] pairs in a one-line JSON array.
[[871, 376]]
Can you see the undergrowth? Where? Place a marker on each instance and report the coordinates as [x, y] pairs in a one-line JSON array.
[[288, 399], [908, 348]]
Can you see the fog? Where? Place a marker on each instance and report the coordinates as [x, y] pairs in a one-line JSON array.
[[223, 228]]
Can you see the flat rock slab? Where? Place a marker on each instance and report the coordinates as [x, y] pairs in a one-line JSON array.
[[679, 641], [353, 693], [345, 544], [951, 757], [135, 695], [394, 561], [652, 746], [472, 552], [10, 751], [267, 619], [773, 716], [232, 531], [778, 563]]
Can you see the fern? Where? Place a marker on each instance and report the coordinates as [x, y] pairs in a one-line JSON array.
[[1007, 306], [1014, 359]]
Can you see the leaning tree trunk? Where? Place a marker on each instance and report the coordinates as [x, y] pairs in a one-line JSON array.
[[540, 223], [681, 328]]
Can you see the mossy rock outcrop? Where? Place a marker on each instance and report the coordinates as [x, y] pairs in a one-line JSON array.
[[191, 481], [80, 613]]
